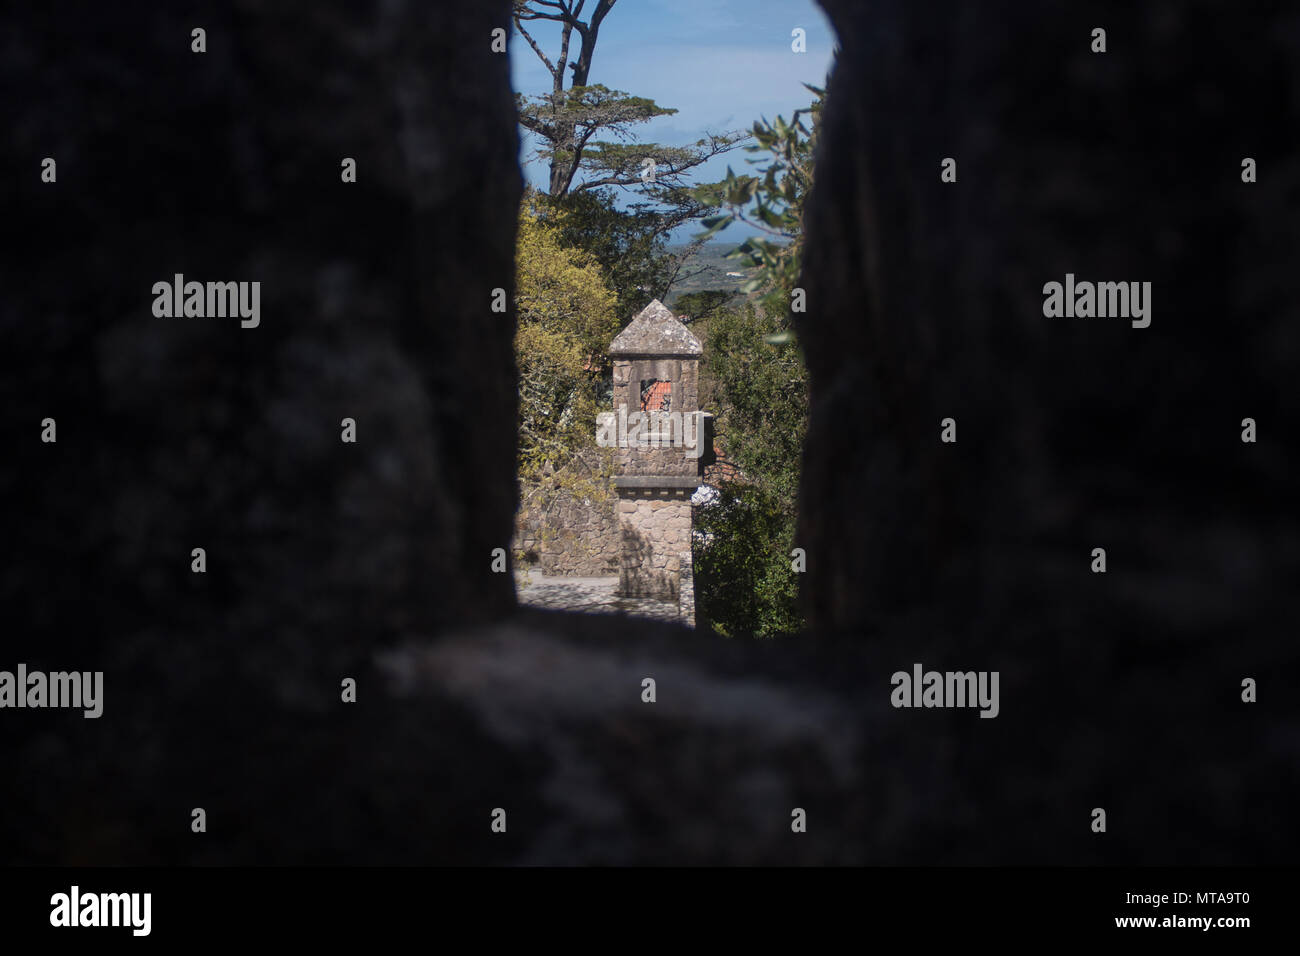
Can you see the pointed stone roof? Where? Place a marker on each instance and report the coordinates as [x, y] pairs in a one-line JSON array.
[[656, 331]]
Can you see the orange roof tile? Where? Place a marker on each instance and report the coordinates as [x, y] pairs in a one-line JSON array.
[[657, 398]]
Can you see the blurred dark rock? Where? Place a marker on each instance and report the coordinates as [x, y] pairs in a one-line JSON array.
[[179, 433]]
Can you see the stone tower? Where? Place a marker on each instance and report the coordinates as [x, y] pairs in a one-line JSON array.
[[663, 443]]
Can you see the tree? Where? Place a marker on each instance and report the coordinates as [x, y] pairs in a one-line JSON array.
[[754, 377], [567, 318], [699, 306], [568, 119], [744, 583], [628, 244], [778, 196], [760, 395]]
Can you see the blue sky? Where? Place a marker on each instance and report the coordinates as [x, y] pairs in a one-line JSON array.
[[721, 63]]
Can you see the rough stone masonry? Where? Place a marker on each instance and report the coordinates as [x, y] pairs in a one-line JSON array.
[[656, 361]]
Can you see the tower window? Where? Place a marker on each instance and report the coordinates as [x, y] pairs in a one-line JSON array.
[[656, 396]]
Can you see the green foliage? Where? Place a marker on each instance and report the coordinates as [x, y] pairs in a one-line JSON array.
[[745, 586], [772, 201], [699, 306], [759, 393], [567, 122], [567, 318], [586, 133], [755, 381], [628, 245]]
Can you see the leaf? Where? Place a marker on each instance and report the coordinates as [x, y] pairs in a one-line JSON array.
[[745, 253], [775, 220], [713, 225]]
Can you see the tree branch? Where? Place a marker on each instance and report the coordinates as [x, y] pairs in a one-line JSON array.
[[533, 43], [602, 8]]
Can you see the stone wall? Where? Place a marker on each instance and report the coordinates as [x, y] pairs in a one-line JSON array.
[[185, 432], [686, 589], [925, 301], [656, 530], [569, 535]]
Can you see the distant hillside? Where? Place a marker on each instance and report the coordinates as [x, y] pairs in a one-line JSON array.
[[713, 266]]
